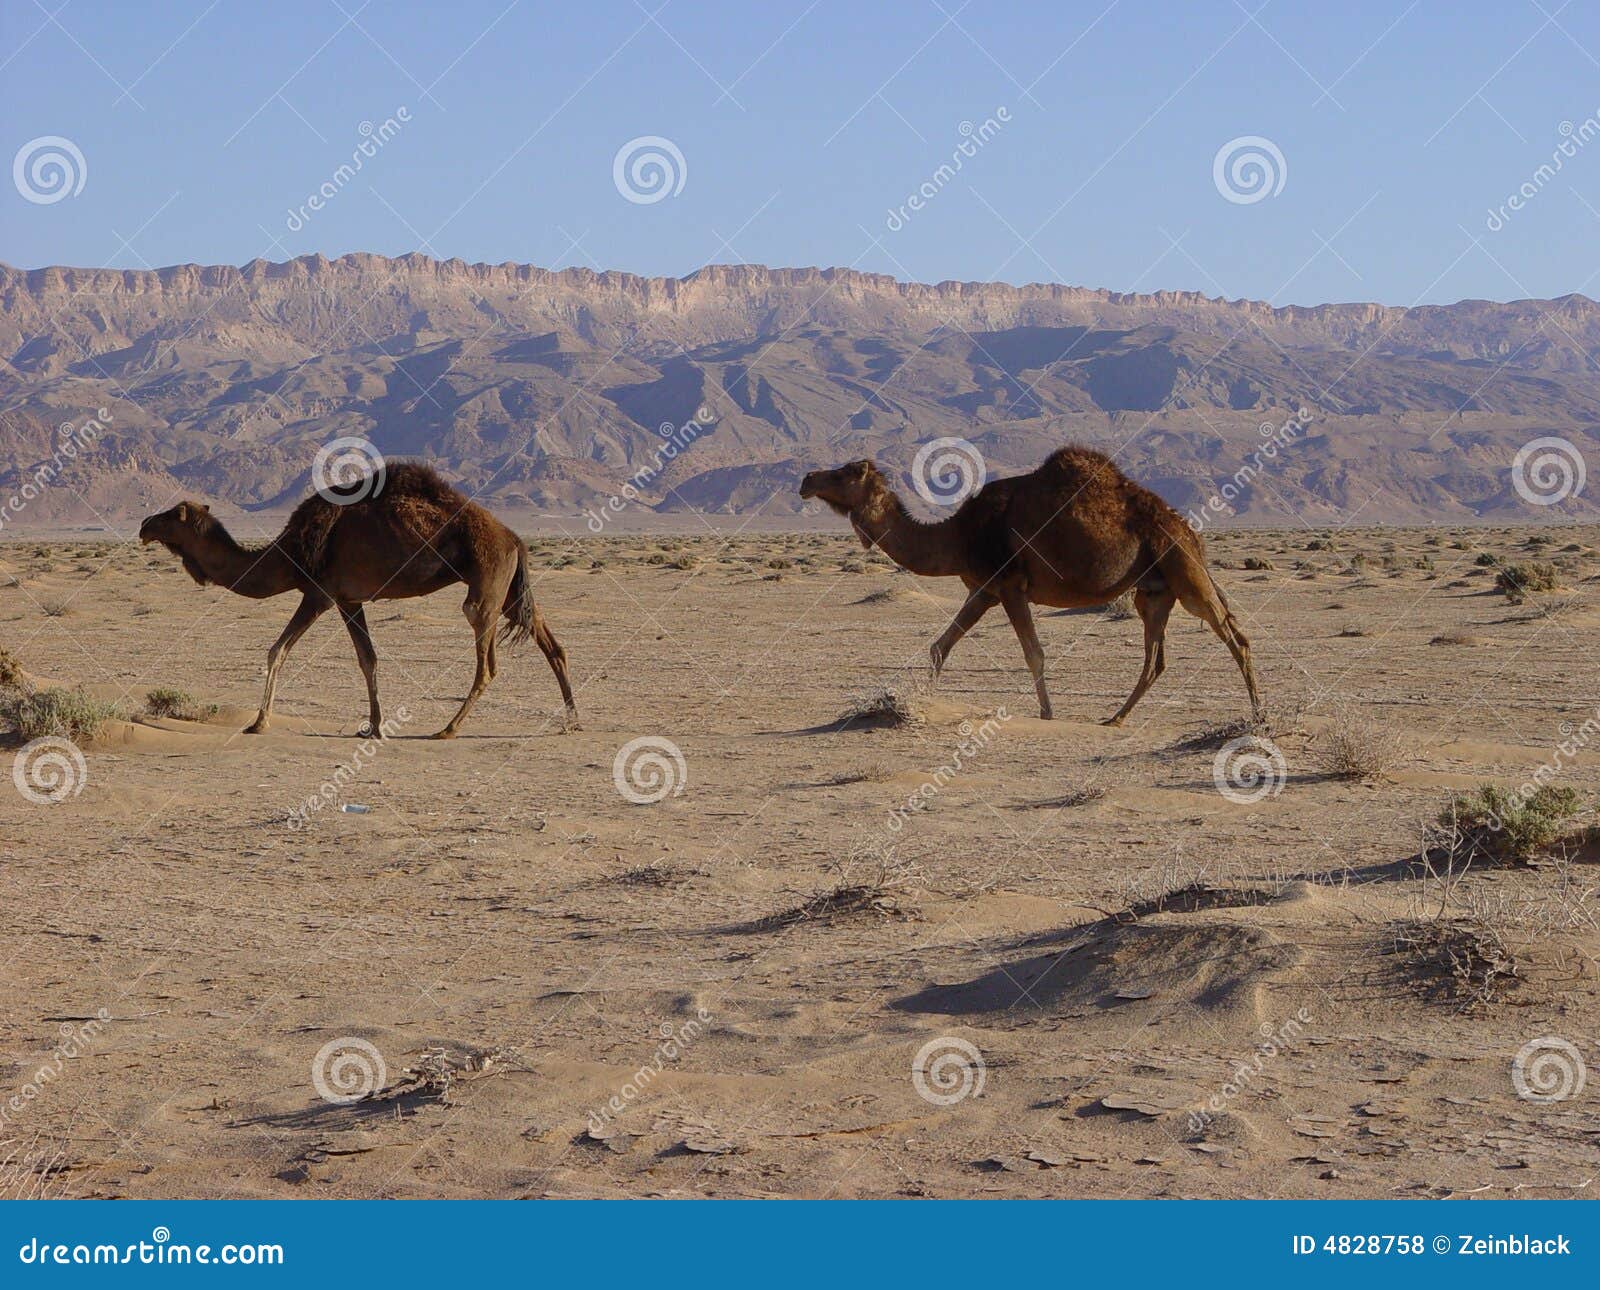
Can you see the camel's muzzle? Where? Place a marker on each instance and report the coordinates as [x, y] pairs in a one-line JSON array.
[[808, 486]]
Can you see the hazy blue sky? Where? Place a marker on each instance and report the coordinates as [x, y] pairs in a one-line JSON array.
[[802, 125]]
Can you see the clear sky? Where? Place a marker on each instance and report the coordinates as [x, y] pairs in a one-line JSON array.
[[204, 128]]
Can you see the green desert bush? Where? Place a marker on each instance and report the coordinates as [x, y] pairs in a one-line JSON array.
[[1517, 580], [71, 714], [164, 702], [1501, 826]]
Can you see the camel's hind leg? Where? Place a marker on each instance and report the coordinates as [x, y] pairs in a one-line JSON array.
[[482, 608], [355, 621], [1154, 608], [556, 657], [311, 608], [1021, 616], [1207, 603]]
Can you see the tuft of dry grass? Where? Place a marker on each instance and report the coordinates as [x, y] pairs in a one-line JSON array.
[[886, 705], [1121, 608], [177, 704], [1517, 581], [1357, 747], [872, 880], [10, 670], [70, 714]]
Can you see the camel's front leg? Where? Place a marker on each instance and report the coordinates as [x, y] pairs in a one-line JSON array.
[[1021, 617], [355, 621], [977, 605], [311, 608]]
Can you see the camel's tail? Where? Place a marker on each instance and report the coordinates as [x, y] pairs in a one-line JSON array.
[[520, 613]]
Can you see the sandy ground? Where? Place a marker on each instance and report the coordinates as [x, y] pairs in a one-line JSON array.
[[572, 994]]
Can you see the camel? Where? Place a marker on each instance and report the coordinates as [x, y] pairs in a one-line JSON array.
[[400, 534], [1074, 533]]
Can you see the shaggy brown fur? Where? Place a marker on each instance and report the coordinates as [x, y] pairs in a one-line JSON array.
[[413, 535], [1075, 532]]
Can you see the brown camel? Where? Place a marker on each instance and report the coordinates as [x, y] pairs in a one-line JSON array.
[[404, 533], [1075, 532]]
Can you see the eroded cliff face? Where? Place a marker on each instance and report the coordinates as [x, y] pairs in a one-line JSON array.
[[555, 389]]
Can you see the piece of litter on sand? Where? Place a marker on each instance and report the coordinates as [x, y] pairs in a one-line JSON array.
[[709, 1146], [1131, 995], [355, 808]]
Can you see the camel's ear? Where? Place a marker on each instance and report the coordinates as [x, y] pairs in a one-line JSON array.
[[206, 509], [183, 512]]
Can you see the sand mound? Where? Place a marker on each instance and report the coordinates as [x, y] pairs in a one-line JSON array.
[[899, 596], [1212, 966]]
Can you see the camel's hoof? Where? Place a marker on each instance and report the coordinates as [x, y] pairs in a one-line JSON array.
[[254, 728], [366, 730], [446, 733], [1112, 721]]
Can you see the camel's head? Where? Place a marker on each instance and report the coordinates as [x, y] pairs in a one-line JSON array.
[[178, 530], [173, 527], [849, 488]]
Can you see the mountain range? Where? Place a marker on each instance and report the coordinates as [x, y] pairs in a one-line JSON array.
[[552, 391]]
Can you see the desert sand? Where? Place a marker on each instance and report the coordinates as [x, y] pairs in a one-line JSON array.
[[1121, 981]]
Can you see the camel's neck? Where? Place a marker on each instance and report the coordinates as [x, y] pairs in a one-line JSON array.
[[257, 572], [934, 550]]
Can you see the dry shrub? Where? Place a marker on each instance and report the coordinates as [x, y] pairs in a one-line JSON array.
[[70, 714], [886, 705], [1499, 826], [1518, 580], [10, 670], [872, 880], [1121, 608], [1356, 747], [178, 704]]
